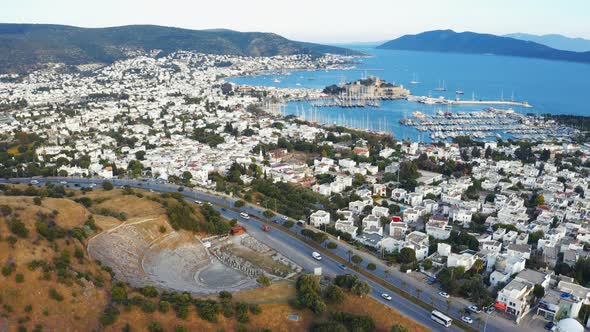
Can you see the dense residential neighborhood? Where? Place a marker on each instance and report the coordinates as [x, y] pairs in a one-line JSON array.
[[503, 224]]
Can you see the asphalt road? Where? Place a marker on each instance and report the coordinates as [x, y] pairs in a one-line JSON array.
[[300, 253]]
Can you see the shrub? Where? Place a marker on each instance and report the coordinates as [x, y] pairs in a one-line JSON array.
[[289, 223], [109, 316], [55, 295], [255, 309], [20, 278], [371, 266], [332, 245], [107, 185], [155, 327], [164, 306], [263, 280], [239, 203]]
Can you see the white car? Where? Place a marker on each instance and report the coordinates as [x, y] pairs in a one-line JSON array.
[[467, 319], [92, 185], [199, 202], [63, 182], [473, 308], [316, 255], [34, 182], [386, 296], [285, 218], [443, 294], [244, 215]]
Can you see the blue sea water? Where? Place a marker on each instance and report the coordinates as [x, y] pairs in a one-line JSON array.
[[554, 87]]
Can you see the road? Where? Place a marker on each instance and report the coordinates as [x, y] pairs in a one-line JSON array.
[[300, 253]]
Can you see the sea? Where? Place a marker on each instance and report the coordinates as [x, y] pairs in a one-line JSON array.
[[554, 87]]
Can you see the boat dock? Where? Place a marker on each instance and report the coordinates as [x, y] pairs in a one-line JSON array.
[[490, 102]]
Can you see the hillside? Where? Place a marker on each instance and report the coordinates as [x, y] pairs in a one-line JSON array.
[[556, 41], [24, 45], [50, 281], [470, 42]]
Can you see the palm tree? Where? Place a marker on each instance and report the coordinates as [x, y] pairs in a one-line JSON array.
[[432, 300], [479, 320], [478, 265], [418, 292], [349, 252], [386, 272], [448, 305]]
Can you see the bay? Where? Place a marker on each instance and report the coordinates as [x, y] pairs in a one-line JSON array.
[[554, 87]]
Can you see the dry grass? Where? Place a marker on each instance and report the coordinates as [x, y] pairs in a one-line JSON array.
[[279, 292], [131, 205]]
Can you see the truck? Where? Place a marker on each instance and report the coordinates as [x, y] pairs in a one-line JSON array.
[[265, 228]]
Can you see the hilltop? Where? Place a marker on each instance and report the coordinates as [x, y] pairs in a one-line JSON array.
[[22, 46], [471, 42], [556, 41]]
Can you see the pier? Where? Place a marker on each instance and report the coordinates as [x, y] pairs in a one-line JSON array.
[[490, 102]]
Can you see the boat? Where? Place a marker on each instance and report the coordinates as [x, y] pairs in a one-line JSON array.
[[459, 92], [276, 80], [415, 80], [441, 87]]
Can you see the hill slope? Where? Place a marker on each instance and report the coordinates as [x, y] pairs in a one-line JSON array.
[[24, 45], [470, 42], [556, 41]]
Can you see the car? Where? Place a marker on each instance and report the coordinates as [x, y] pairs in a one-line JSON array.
[[285, 218], [467, 319], [199, 202], [244, 215], [316, 255], [490, 310], [473, 308], [223, 209], [63, 182], [342, 267], [549, 326], [92, 185], [34, 182], [386, 296], [431, 281], [443, 294]]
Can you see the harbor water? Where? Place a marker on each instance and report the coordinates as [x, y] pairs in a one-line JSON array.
[[554, 87]]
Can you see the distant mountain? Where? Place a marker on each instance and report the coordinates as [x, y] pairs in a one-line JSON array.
[[22, 46], [471, 42], [559, 42]]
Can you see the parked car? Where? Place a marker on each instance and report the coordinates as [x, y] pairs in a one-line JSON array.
[[342, 267], [443, 294], [467, 319], [490, 310], [386, 296], [316, 255], [34, 182], [431, 281], [473, 308]]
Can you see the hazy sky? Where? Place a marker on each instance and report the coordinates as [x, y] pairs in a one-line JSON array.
[[316, 20]]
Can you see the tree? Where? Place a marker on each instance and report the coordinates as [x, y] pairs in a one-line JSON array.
[[448, 303], [268, 214], [239, 203], [407, 256], [478, 265], [418, 292], [356, 259], [187, 177], [263, 280], [107, 185], [371, 266], [334, 294], [349, 252], [538, 291], [427, 264]]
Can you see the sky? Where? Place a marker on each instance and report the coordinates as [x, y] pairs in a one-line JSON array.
[[326, 21]]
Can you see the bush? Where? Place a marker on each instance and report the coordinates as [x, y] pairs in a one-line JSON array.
[[289, 223], [148, 306], [357, 323], [371, 266], [107, 185], [399, 328], [332, 245], [37, 200], [55, 295], [20, 278], [155, 327], [334, 294], [18, 228], [239, 203], [263, 280], [255, 309], [164, 306]]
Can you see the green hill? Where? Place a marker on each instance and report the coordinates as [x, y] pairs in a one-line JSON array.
[[22, 46]]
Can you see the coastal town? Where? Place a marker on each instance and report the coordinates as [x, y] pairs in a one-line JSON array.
[[498, 228]]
